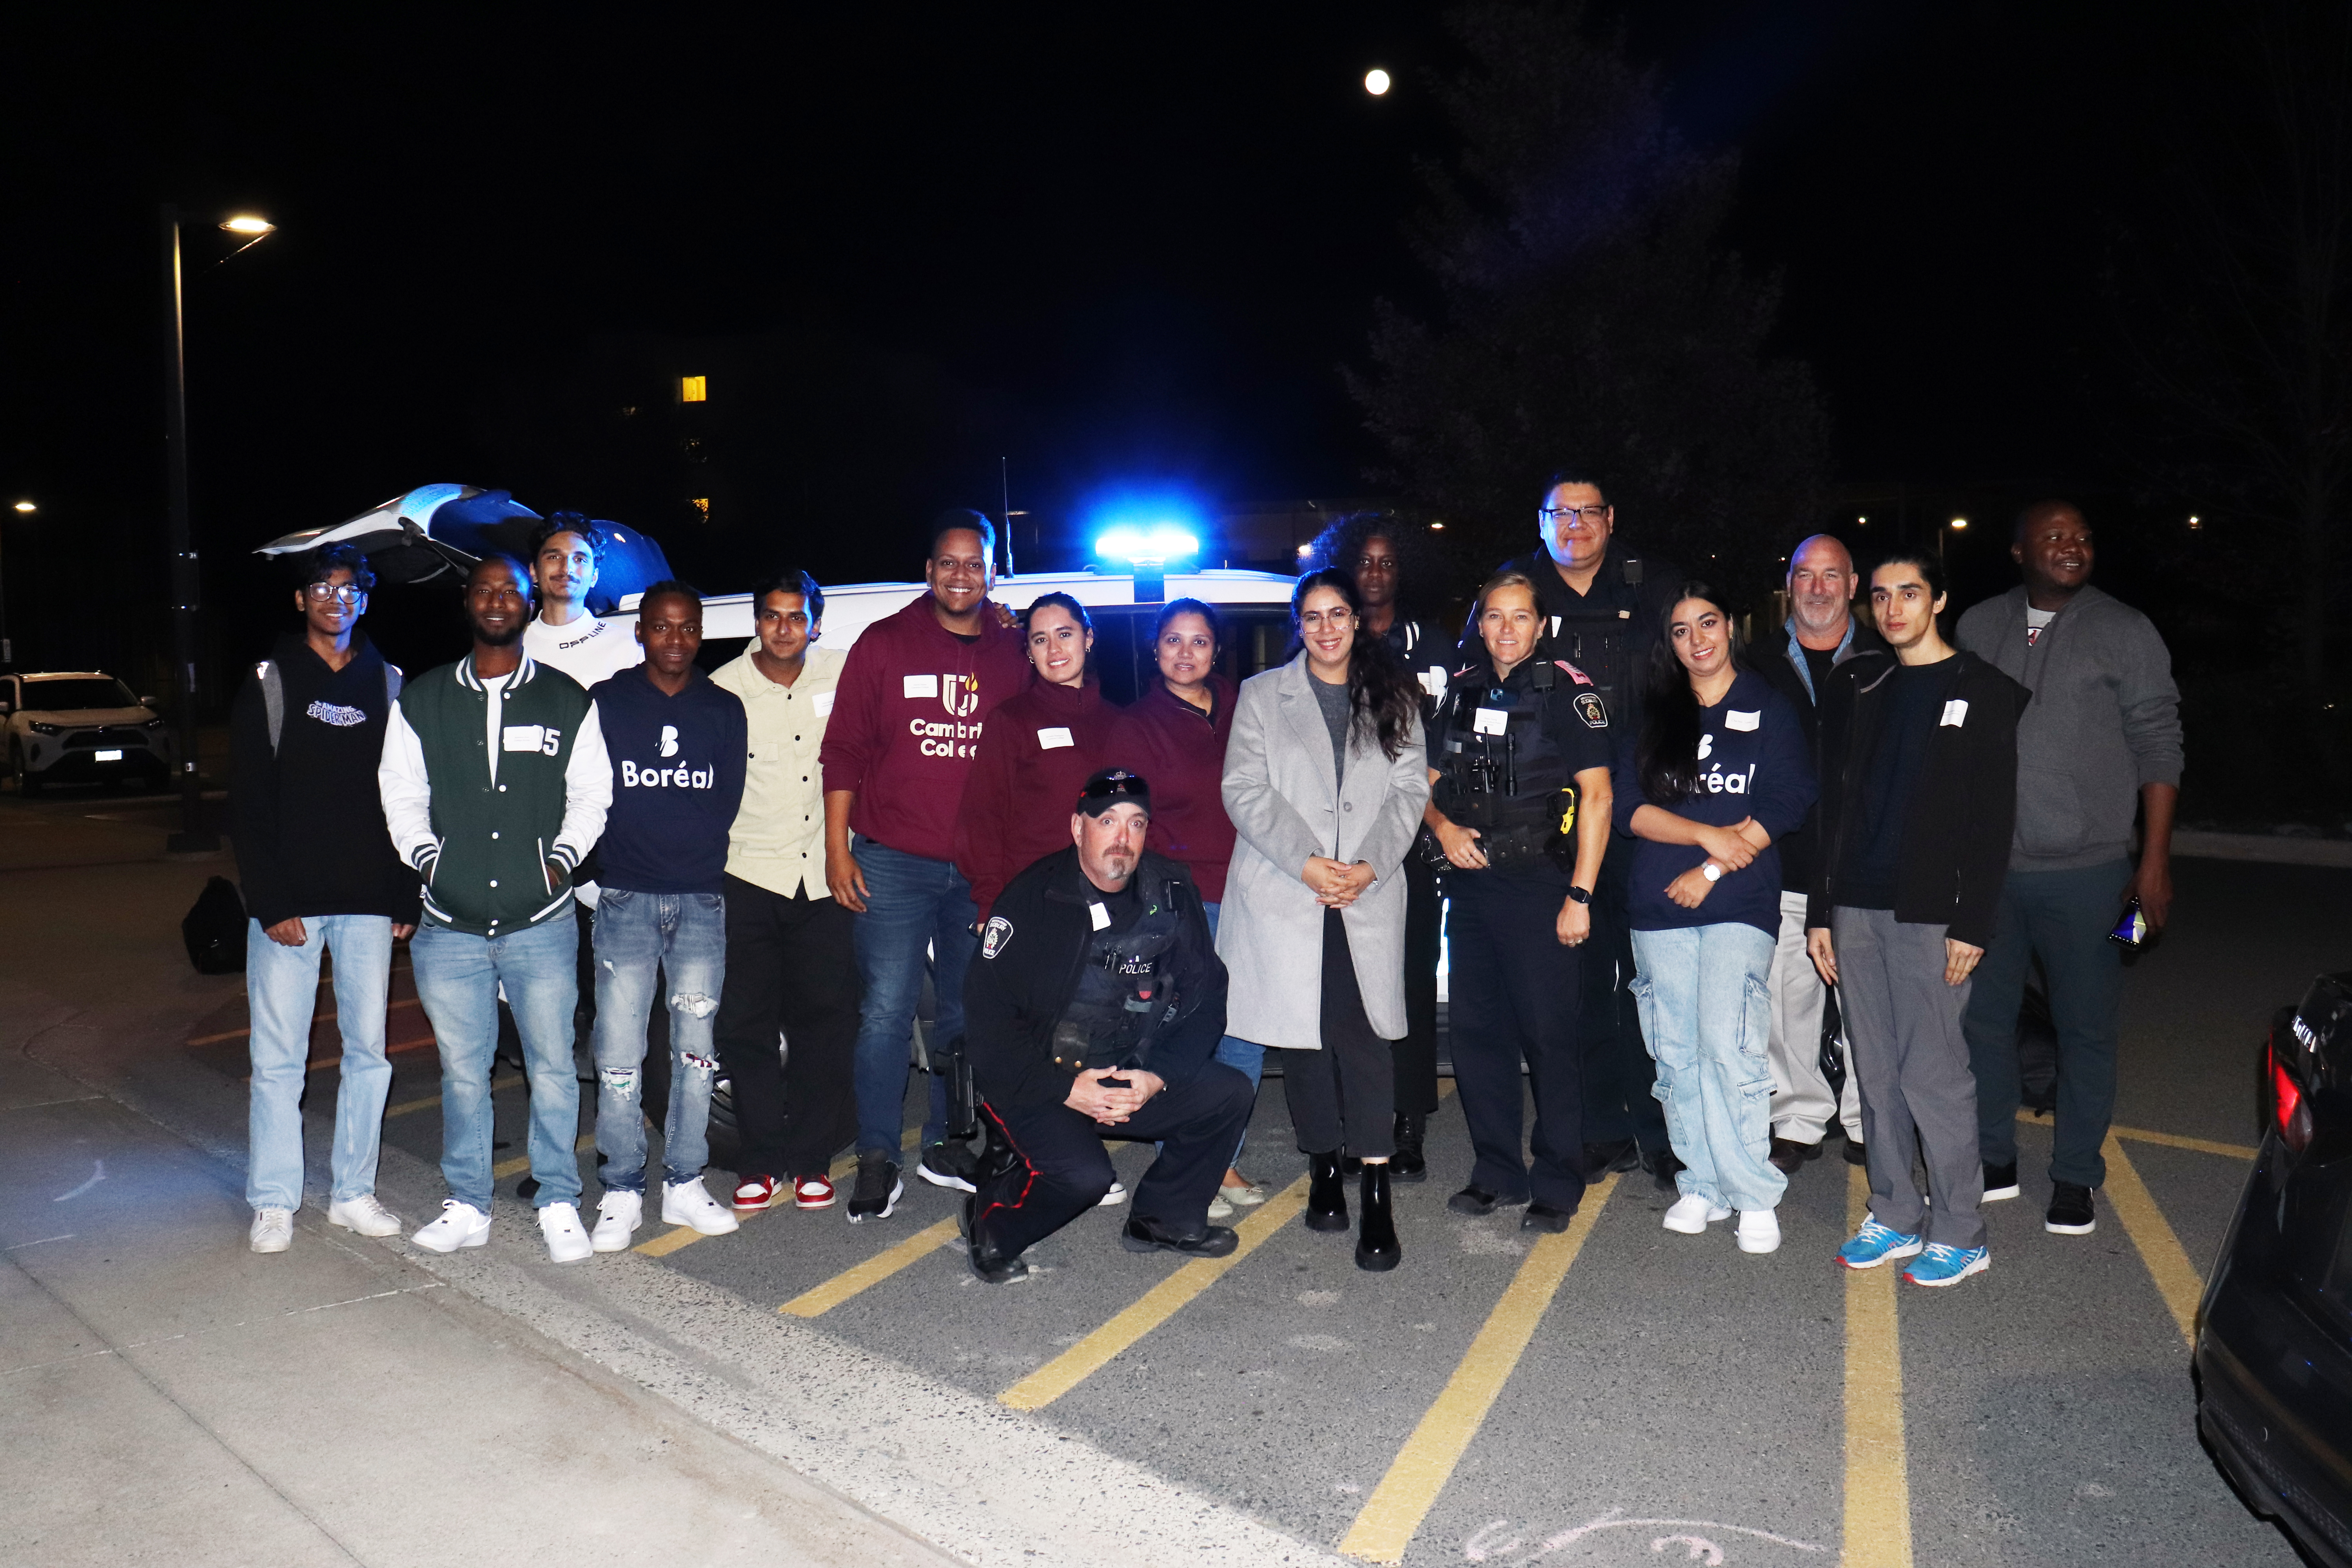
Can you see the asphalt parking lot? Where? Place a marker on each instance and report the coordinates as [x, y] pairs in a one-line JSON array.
[[1616, 1395]]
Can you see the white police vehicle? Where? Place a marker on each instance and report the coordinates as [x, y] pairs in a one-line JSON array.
[[80, 727]]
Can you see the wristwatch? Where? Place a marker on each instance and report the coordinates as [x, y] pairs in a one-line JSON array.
[[1577, 894], [1711, 871]]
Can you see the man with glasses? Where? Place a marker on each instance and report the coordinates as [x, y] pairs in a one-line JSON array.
[[1604, 607], [319, 874], [495, 785], [914, 692]]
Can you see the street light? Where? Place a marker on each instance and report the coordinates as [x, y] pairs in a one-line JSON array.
[[193, 836], [28, 506], [1377, 83]]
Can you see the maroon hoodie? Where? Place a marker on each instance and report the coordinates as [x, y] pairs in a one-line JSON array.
[[1040, 746], [905, 723], [1180, 752]]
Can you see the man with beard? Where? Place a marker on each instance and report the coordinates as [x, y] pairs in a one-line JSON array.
[[1822, 633], [495, 785]]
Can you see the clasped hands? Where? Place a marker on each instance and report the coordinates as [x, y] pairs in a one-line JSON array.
[[1107, 1104], [1733, 848], [1335, 884]]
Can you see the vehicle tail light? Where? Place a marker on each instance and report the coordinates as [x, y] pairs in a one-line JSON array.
[[2288, 1106]]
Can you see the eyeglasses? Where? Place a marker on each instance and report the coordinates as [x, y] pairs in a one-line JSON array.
[[1326, 617], [1592, 515], [342, 593]]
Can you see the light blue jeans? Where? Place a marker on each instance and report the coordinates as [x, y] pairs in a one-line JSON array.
[[281, 987], [639, 934], [1246, 1058], [1706, 1001], [457, 977]]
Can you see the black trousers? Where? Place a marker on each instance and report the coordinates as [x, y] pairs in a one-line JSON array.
[[1062, 1170], [1343, 1096], [791, 967], [1618, 1072], [1515, 996], [1416, 1054]]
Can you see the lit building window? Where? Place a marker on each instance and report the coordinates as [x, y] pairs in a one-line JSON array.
[[693, 389], [702, 505]]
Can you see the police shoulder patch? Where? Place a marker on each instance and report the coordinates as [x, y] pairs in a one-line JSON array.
[[1592, 711], [995, 936]]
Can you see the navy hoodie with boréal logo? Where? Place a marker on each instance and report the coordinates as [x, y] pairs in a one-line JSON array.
[[677, 777]]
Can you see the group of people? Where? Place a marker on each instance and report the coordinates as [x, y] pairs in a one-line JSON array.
[[1701, 900]]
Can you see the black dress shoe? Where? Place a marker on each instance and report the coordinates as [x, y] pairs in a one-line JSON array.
[[1407, 1164], [1377, 1251], [1142, 1234], [987, 1260], [1617, 1154], [1473, 1201], [1543, 1216], [1327, 1201], [1788, 1154], [1855, 1152]]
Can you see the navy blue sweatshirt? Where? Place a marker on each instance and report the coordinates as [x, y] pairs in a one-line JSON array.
[[1753, 761], [677, 777]]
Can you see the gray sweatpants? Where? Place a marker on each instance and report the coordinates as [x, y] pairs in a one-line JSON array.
[[1903, 1025]]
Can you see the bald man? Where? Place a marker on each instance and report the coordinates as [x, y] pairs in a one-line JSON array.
[[1821, 632]]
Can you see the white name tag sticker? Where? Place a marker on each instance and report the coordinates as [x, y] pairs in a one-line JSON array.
[[918, 686], [1736, 719], [1956, 712], [1099, 915], [823, 703], [522, 738], [1054, 740], [1490, 722]]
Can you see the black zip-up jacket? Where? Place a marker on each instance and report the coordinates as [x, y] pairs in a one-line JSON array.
[[1776, 666], [311, 839], [1963, 806], [1027, 967]]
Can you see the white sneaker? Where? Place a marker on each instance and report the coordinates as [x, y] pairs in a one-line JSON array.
[[1219, 1208], [460, 1224], [617, 1218], [1117, 1195], [1759, 1230], [364, 1214], [273, 1230], [690, 1202], [1692, 1215], [567, 1242]]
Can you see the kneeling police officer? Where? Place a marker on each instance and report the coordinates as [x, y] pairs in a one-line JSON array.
[[1519, 765], [1095, 1012]]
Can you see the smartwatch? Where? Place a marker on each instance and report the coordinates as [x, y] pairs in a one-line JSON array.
[[1711, 871], [1577, 894]]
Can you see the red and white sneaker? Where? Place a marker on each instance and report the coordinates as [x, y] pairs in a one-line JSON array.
[[813, 1191], [756, 1192]]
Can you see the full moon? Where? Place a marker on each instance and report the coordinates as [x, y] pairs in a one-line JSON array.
[[1376, 81]]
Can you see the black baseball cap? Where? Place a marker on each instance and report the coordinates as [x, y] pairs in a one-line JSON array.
[[1106, 787]]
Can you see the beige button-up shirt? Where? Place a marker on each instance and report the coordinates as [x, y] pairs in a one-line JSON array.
[[778, 839]]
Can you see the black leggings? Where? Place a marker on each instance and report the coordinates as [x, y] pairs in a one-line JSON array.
[[1345, 1094]]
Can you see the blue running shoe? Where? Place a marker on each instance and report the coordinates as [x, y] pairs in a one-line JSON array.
[[1873, 1244], [1947, 1265]]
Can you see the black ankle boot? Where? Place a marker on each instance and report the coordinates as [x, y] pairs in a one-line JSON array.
[[1327, 1200], [1376, 1237], [1407, 1165]]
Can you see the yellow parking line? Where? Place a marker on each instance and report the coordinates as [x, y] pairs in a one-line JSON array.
[[669, 1241], [2169, 1140], [1425, 1463], [1877, 1481], [2176, 1277], [522, 1163], [871, 1272], [1155, 1306]]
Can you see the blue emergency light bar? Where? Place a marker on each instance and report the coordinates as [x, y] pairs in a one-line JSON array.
[[1160, 543]]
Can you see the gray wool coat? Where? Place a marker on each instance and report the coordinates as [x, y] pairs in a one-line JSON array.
[[1286, 804]]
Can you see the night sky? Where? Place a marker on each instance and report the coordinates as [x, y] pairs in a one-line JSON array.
[[1104, 244]]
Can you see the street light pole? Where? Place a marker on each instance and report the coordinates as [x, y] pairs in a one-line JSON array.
[[193, 836]]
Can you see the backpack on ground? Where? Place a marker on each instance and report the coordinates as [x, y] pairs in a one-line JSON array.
[[214, 928]]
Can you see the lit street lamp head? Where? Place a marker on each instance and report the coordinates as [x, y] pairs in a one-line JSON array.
[[248, 223], [27, 506], [1377, 83]]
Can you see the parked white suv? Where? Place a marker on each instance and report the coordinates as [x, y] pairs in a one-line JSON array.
[[80, 727]]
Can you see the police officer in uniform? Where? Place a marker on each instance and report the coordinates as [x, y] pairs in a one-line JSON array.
[[1602, 605], [1381, 552], [1094, 1012], [1520, 802]]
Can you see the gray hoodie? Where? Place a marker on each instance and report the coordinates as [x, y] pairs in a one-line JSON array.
[[2104, 719]]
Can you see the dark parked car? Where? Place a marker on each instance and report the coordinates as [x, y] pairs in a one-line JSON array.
[[2273, 1360]]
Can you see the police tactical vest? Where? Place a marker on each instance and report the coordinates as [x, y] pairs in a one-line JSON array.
[[1121, 994], [1510, 781]]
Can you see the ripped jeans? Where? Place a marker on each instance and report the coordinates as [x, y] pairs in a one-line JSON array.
[[1706, 999], [639, 936]]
